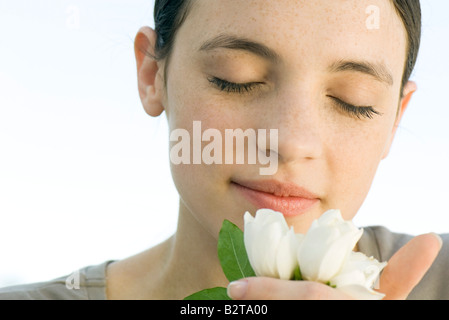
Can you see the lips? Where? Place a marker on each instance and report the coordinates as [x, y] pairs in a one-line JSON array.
[[284, 197]]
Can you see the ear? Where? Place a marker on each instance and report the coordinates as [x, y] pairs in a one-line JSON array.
[[409, 89], [149, 72]]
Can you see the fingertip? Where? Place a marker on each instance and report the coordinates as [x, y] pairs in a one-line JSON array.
[[429, 244], [409, 265], [439, 239], [237, 289]]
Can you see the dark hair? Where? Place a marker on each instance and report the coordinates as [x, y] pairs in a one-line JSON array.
[[410, 13], [170, 14]]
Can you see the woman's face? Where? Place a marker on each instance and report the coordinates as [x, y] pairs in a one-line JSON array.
[[328, 80]]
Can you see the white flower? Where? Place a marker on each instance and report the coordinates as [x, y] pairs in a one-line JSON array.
[[270, 244], [324, 254], [327, 246], [358, 277]]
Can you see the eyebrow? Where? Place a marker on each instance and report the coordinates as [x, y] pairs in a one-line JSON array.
[[228, 41], [379, 71]]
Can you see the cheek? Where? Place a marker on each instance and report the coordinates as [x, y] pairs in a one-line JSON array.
[[353, 161], [204, 194], [203, 188]]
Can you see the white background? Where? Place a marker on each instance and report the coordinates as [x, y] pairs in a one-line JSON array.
[[84, 172]]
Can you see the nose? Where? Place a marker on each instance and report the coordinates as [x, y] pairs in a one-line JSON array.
[[300, 128]]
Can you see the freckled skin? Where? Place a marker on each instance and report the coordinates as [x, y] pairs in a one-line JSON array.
[[344, 152], [321, 147]]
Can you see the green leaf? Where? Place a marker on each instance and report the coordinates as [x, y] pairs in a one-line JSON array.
[[234, 261], [232, 253], [217, 293], [297, 275]]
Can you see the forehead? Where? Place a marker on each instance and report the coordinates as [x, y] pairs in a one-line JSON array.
[[304, 31]]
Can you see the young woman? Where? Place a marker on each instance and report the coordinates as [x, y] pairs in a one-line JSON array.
[[332, 78]]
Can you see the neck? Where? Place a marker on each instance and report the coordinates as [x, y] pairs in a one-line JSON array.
[[184, 264], [192, 264]]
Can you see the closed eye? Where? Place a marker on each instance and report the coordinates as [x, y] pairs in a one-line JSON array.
[[231, 87], [367, 112]]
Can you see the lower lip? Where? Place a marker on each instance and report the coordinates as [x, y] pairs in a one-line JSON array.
[[288, 206]]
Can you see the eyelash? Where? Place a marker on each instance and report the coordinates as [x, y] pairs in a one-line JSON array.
[[232, 87], [360, 112]]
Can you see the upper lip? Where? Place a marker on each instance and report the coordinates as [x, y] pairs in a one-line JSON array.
[[277, 188]]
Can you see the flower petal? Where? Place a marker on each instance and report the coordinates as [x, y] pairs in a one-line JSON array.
[[286, 255], [262, 237], [326, 246]]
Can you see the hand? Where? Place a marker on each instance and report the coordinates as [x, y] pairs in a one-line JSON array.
[[403, 272], [407, 266]]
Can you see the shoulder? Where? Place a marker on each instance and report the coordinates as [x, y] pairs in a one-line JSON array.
[[88, 283], [383, 244]]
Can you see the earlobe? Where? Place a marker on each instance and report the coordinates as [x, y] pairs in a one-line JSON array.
[[409, 89], [149, 75]]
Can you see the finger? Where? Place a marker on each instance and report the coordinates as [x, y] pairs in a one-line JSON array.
[[262, 288], [407, 266]]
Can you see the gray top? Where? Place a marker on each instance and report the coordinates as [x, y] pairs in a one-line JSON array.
[[89, 283]]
